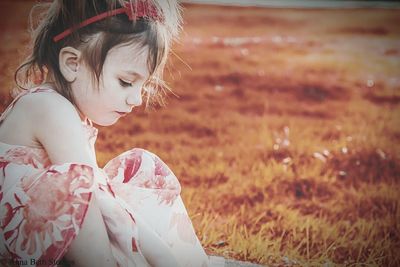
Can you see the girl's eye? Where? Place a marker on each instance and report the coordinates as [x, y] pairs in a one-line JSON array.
[[124, 83]]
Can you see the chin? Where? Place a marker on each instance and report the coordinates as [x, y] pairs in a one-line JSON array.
[[103, 122]]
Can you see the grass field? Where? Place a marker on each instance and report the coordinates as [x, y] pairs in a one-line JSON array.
[[285, 135]]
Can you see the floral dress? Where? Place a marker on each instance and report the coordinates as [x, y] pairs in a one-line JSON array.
[[43, 206]]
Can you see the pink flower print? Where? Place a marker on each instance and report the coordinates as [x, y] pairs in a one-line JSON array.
[[159, 182], [27, 181], [169, 188], [85, 175], [28, 156], [53, 196], [184, 227], [134, 246], [6, 214], [132, 164], [161, 168], [111, 168], [167, 196], [3, 163]]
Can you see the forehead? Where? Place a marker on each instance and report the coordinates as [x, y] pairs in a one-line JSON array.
[[129, 58]]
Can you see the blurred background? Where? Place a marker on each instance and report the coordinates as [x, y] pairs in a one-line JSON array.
[[283, 131]]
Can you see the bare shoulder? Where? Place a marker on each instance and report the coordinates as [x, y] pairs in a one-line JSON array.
[[56, 124], [28, 113], [47, 110], [45, 104]]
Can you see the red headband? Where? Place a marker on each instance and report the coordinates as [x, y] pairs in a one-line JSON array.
[[139, 10]]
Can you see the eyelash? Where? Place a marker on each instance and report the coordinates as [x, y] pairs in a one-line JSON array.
[[124, 84]]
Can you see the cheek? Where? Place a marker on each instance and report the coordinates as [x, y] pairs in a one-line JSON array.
[[82, 98], [111, 100]]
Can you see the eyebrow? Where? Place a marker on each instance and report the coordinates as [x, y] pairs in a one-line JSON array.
[[134, 73]]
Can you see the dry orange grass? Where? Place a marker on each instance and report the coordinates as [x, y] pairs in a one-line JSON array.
[[285, 135]]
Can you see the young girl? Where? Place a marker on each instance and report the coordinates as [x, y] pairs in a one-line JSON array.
[[91, 61]]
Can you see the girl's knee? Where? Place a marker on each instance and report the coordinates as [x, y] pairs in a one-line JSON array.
[[144, 169]]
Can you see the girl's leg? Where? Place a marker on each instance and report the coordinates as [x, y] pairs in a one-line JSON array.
[[151, 193], [91, 247], [156, 252]]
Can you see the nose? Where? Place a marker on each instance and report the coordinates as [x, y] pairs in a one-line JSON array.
[[135, 98]]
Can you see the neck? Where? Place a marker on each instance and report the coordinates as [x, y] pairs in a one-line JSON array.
[[81, 115], [48, 81]]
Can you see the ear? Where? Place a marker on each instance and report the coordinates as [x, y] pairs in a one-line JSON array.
[[69, 61]]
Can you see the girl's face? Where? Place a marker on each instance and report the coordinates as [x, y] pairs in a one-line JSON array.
[[120, 85]]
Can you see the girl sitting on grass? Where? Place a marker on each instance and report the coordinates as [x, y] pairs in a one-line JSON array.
[[91, 61]]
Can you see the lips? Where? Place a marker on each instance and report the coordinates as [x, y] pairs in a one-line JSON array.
[[122, 113]]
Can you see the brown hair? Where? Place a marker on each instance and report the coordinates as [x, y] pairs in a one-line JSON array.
[[95, 40]]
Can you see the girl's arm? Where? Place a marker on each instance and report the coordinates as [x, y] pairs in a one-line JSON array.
[[56, 125], [91, 247]]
